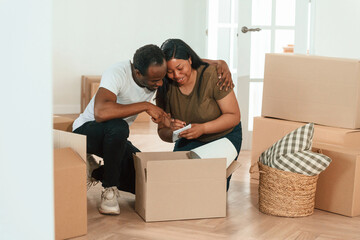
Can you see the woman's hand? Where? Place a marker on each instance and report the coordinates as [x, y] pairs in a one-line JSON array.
[[224, 75], [194, 132]]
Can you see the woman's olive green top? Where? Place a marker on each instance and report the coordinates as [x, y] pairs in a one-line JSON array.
[[200, 105]]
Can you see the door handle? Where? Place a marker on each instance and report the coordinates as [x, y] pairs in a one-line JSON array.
[[245, 29]]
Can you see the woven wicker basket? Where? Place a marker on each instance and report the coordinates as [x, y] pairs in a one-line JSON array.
[[286, 194]]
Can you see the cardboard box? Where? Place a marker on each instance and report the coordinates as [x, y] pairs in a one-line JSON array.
[[89, 86], [267, 131], [338, 187], [314, 89], [170, 186], [69, 184], [62, 123]]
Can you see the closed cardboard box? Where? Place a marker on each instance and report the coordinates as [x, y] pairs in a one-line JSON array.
[[69, 184], [338, 187], [267, 131], [314, 89], [336, 190], [62, 123], [170, 186]]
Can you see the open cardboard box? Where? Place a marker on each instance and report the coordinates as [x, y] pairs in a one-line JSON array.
[[305, 88], [69, 184], [171, 186]]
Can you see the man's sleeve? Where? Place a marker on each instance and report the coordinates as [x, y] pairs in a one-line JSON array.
[[112, 81]]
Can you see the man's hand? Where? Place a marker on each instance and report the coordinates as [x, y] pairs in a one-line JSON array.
[[194, 132], [224, 75], [157, 114], [176, 124], [173, 124]]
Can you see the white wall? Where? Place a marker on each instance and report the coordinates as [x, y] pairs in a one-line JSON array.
[[337, 28], [26, 165], [91, 35]]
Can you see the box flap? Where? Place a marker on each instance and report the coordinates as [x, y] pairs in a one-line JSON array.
[[151, 156], [77, 142], [140, 186], [232, 168], [140, 166]]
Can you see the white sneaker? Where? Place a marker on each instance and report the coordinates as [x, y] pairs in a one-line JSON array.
[[91, 165], [109, 202]]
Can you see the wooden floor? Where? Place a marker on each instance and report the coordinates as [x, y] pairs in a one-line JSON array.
[[243, 221]]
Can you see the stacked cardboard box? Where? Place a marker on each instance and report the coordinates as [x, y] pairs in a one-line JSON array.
[[325, 91]]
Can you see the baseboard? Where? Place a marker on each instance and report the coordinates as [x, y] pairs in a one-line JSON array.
[[66, 109]]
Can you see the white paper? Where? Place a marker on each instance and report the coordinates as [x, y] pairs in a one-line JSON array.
[[176, 133], [221, 148]]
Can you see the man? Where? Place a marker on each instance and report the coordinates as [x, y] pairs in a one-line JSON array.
[[125, 91]]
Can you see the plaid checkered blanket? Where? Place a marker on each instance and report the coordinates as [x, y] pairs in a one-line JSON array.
[[293, 153]]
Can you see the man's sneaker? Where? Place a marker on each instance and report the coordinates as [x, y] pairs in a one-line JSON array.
[[91, 165], [109, 203]]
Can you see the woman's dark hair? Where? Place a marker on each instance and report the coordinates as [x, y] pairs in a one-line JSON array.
[[178, 49]]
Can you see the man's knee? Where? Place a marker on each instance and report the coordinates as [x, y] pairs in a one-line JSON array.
[[117, 127]]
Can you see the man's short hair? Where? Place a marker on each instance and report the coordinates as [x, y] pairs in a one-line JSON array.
[[146, 56]]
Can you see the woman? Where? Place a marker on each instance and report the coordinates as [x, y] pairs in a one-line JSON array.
[[190, 96]]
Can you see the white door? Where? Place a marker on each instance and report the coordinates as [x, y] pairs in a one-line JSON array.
[[282, 22], [222, 33]]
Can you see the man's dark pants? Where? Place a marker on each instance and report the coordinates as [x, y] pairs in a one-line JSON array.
[[108, 140]]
